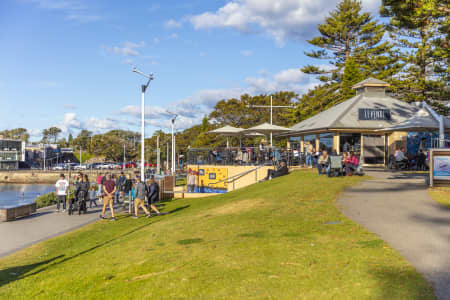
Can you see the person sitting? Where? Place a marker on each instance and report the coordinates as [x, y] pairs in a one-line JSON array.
[[351, 164], [283, 170], [400, 158], [323, 164]]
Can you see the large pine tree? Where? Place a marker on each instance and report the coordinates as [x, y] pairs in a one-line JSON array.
[[349, 33], [420, 30]]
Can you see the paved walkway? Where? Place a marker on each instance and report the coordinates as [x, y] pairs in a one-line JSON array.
[[41, 226], [398, 208]]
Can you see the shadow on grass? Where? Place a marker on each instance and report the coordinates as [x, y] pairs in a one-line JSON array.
[[16, 273], [178, 209], [400, 283]]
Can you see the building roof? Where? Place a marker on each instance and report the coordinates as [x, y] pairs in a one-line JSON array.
[[346, 114], [371, 82], [421, 121]]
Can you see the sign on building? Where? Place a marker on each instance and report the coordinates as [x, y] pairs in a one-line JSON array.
[[375, 114]]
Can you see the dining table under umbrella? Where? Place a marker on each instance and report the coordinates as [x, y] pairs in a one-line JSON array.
[[267, 128]]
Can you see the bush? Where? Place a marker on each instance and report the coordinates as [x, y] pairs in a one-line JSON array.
[[46, 200]]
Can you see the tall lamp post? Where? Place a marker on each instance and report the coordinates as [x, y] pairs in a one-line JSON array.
[[174, 117], [143, 89]]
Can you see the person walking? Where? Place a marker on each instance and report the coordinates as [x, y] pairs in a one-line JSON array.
[[153, 195], [191, 181], [62, 185], [309, 153], [109, 188], [140, 191], [92, 197], [82, 194], [122, 180], [100, 186]]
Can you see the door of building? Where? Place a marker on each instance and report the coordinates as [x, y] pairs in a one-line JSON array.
[[373, 149]]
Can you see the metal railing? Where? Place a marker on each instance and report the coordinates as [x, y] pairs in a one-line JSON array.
[[232, 179], [245, 156], [437, 143]]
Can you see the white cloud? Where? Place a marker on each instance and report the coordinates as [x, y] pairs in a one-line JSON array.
[[192, 109], [69, 123], [281, 19], [126, 49], [172, 24], [246, 52], [74, 10]]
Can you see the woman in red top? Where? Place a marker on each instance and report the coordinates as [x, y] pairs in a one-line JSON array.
[[351, 165]]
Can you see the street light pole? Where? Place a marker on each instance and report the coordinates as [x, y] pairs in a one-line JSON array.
[[124, 157], [143, 89], [174, 117], [271, 106], [158, 155]]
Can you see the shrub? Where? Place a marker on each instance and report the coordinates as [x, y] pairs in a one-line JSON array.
[[46, 200]]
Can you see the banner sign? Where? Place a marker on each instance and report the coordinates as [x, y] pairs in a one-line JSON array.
[[376, 114], [441, 167]]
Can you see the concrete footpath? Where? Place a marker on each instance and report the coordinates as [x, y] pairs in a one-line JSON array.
[[45, 224], [398, 208]]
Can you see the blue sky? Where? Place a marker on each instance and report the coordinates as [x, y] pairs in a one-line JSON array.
[[68, 62]]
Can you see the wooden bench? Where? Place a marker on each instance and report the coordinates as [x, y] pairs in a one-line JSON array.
[[11, 214]]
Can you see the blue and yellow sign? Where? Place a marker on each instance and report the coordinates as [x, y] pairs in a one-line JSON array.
[[211, 179]]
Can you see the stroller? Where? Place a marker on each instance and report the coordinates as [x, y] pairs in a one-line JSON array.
[[78, 203]]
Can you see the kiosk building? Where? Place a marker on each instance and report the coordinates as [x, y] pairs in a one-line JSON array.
[[357, 125]]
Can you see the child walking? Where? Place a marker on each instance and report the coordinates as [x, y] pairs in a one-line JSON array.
[[92, 197]]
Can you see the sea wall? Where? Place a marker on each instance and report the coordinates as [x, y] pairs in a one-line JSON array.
[[46, 177]]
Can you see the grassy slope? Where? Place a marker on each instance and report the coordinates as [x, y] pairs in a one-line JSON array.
[[266, 241], [441, 195]]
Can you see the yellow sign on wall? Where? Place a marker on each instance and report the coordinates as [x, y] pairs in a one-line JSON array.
[[212, 177]]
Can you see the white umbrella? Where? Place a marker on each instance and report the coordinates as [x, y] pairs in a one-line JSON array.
[[266, 128], [228, 131]]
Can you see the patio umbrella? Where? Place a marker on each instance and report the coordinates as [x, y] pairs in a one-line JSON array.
[[228, 131], [267, 128]]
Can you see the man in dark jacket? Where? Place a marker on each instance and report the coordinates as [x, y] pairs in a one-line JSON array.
[[283, 170], [153, 195], [140, 191]]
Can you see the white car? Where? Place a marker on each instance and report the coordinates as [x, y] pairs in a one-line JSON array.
[[80, 167]]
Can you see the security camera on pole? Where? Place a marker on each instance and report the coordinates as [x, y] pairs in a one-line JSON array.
[[143, 89]]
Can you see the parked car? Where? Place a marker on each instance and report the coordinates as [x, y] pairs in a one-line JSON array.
[[80, 167], [59, 167]]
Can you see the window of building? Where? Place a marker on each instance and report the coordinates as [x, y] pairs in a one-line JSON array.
[[295, 142], [350, 142], [326, 142]]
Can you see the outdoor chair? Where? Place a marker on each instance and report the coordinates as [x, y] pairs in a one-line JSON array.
[[336, 166]]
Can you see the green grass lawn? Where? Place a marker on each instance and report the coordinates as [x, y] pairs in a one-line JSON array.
[[270, 240], [441, 195]]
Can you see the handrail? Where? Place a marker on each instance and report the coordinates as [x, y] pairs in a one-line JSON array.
[[237, 176]]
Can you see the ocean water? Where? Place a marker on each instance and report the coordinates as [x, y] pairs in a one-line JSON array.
[[12, 195]]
